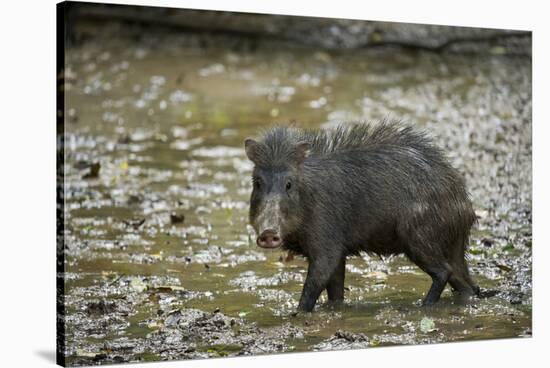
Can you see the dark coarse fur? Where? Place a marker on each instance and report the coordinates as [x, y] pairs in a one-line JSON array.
[[381, 188]]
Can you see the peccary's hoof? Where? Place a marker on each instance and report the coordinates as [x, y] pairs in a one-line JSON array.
[[428, 303], [487, 293], [335, 304], [299, 313]]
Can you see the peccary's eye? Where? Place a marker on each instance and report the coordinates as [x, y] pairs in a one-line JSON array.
[[288, 185], [257, 184]]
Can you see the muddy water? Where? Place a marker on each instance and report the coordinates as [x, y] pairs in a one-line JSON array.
[[160, 232]]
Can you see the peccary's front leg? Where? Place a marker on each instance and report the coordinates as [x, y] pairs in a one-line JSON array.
[[319, 272], [335, 286]]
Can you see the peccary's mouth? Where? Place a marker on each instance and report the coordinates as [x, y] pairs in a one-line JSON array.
[[273, 246], [269, 239]]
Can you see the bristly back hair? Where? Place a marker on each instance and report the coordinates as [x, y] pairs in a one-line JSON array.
[[278, 143]]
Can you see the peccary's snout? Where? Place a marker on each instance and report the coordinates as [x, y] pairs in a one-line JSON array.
[[269, 239]]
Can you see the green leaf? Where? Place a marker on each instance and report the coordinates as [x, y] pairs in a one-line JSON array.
[[427, 325]]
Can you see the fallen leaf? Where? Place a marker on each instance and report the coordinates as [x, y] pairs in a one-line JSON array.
[[427, 325], [503, 267], [176, 218], [138, 285], [94, 171]]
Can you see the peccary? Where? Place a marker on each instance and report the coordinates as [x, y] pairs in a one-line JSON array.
[[381, 188]]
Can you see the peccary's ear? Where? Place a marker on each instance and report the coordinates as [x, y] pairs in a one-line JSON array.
[[251, 147], [302, 151]]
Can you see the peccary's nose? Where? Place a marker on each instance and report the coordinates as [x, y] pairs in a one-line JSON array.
[[269, 239]]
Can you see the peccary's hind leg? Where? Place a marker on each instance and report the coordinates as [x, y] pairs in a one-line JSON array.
[[335, 287], [473, 285], [431, 261], [460, 278], [460, 285], [439, 280]]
